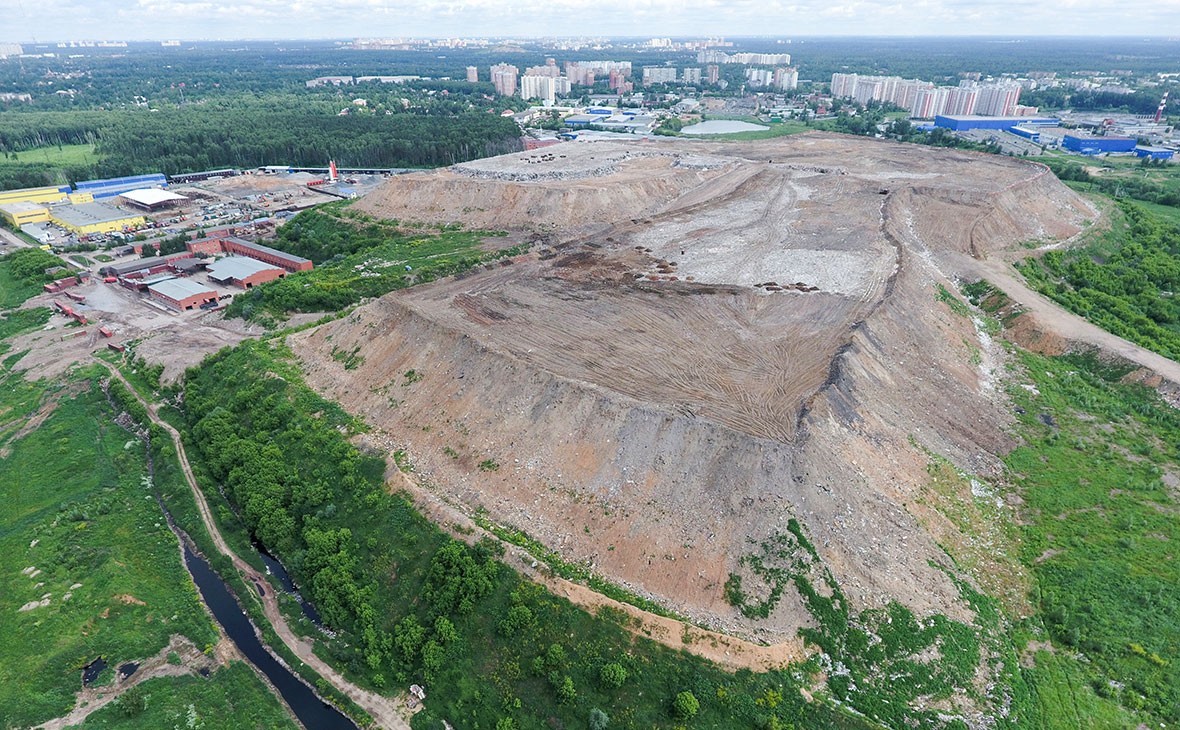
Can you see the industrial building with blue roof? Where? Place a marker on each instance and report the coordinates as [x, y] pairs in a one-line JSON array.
[[114, 186], [965, 122], [1087, 145]]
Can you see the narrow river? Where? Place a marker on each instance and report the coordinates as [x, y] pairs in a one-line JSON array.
[[312, 712], [310, 709]]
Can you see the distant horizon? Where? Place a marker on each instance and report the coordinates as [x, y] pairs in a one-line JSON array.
[[31, 22], [681, 37]]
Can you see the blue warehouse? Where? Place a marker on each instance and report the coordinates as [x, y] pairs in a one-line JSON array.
[[118, 185], [1154, 153], [965, 122], [1086, 145]]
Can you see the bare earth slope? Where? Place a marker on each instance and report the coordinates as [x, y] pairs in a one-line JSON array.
[[720, 338]]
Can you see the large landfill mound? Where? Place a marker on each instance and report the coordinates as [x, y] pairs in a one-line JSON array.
[[706, 340]]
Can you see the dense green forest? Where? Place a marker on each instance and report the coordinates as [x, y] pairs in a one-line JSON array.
[[1065, 98], [250, 135], [1124, 281]]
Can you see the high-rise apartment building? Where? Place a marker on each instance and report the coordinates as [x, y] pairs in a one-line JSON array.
[[922, 99], [749, 59], [585, 72], [549, 69], [759, 77], [712, 73], [473, 74], [786, 79], [538, 87], [998, 100], [961, 100], [691, 76], [503, 77], [658, 75]]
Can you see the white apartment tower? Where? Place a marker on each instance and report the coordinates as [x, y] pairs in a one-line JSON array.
[[659, 75], [538, 87], [786, 79]]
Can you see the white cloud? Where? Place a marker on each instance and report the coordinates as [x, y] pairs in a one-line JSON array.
[[152, 19]]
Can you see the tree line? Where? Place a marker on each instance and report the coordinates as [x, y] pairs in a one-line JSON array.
[[1130, 291]]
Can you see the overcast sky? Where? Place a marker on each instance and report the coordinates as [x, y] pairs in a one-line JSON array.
[[52, 20]]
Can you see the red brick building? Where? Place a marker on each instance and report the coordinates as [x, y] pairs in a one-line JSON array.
[[244, 272], [182, 294], [272, 256]]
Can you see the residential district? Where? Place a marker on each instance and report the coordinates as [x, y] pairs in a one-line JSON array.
[[568, 97]]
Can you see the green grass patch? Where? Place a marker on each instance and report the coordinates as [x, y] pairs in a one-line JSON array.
[[1101, 525], [52, 165], [777, 129], [357, 257], [232, 697], [81, 534], [1067, 699], [55, 156], [956, 305], [22, 273], [21, 320]]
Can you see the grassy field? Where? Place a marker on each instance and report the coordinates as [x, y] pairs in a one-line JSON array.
[[88, 567], [22, 272], [83, 550], [777, 129], [46, 165], [57, 156], [20, 320], [1065, 699], [1101, 525], [1168, 213], [232, 698]]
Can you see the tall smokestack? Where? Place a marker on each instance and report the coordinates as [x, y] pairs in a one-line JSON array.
[[332, 176], [1159, 113]]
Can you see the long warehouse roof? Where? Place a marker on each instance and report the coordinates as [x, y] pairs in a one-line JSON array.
[[238, 267], [86, 214], [178, 289]]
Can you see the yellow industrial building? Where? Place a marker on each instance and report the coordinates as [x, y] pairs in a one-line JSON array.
[[32, 195], [23, 213], [88, 218]]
